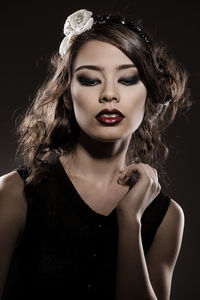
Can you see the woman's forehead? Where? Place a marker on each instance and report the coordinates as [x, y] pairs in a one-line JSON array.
[[100, 53]]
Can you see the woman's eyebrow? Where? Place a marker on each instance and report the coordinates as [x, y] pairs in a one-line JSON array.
[[90, 67], [123, 67], [97, 68]]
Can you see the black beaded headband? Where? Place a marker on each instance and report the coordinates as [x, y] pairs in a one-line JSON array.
[[109, 19]]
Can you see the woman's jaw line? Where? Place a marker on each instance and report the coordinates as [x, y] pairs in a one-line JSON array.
[[102, 147]]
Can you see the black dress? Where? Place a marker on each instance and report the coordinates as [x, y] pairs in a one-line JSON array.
[[68, 251]]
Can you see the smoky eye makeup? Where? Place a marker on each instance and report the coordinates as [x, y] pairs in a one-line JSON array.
[[88, 81], [130, 80]]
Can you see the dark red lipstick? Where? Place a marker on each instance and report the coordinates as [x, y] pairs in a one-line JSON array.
[[109, 116]]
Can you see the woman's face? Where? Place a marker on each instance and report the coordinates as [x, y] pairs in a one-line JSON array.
[[105, 78]]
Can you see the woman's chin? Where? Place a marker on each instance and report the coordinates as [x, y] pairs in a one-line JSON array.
[[106, 138]]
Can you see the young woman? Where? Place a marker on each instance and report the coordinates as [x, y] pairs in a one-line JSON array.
[[85, 215]]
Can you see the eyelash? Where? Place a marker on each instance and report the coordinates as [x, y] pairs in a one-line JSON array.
[[92, 82]]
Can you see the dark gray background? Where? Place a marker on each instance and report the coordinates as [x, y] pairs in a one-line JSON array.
[[30, 31]]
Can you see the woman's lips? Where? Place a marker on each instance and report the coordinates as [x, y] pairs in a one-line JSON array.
[[109, 119]]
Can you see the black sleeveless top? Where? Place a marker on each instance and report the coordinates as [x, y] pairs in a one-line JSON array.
[[68, 251]]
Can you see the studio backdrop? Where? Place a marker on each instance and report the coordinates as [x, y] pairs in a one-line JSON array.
[[32, 31]]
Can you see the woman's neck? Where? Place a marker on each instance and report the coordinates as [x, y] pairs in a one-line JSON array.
[[96, 161]]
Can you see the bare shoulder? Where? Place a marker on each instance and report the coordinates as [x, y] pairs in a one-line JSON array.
[[11, 183], [12, 201], [174, 215], [172, 224]]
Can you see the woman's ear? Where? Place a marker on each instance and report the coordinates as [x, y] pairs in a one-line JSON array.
[[67, 102]]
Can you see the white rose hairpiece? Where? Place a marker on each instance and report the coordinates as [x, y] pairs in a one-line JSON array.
[[75, 24], [82, 20]]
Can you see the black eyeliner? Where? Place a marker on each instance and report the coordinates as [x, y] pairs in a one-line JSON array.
[[87, 81], [130, 80]]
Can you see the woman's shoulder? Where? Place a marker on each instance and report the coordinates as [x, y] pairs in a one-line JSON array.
[[11, 184], [13, 205], [163, 207], [173, 207], [173, 216], [175, 213], [12, 218]]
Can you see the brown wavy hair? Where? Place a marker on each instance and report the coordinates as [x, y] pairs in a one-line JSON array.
[[49, 126]]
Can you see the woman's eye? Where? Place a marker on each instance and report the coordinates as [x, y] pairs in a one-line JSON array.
[[129, 80], [88, 81]]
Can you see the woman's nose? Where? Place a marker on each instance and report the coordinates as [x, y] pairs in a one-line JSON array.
[[109, 93]]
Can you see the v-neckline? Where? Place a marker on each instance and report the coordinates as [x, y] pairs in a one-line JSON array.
[[78, 201]]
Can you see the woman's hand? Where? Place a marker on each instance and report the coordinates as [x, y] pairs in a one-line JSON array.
[[142, 193]]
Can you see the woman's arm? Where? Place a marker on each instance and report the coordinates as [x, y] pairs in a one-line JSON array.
[[133, 280], [12, 220], [163, 254], [139, 277], [150, 278]]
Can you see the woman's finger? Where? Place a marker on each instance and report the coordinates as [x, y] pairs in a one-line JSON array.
[[127, 172], [151, 172]]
